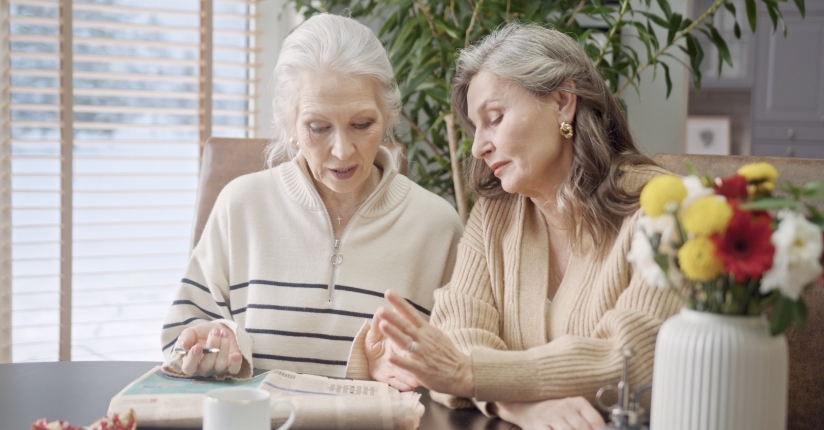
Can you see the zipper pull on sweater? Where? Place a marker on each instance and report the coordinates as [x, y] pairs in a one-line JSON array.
[[336, 259]]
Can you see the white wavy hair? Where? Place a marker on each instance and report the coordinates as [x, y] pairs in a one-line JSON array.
[[327, 43]]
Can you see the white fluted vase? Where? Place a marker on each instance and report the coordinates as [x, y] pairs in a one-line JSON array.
[[719, 372]]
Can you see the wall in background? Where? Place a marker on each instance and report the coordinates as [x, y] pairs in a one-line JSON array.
[[657, 122], [275, 22]]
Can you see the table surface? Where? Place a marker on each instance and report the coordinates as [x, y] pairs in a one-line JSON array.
[[79, 392]]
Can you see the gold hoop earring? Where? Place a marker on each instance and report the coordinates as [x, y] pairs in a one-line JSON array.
[[566, 130], [294, 142]]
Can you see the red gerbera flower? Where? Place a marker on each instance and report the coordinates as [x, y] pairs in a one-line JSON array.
[[745, 247], [733, 187]]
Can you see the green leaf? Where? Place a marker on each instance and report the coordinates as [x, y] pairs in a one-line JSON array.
[[667, 78], [674, 25], [793, 190], [782, 316], [801, 8], [771, 203], [690, 168], [665, 7], [656, 19], [800, 313], [737, 30], [723, 50], [752, 15], [730, 7], [414, 81], [813, 190], [663, 261], [816, 217], [772, 11]]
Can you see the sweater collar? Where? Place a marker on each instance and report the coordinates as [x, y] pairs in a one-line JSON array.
[[391, 190]]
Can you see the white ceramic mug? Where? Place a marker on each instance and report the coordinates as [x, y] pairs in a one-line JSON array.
[[245, 408]]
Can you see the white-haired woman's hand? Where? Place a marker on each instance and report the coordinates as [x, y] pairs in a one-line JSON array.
[[209, 335], [422, 350], [571, 413], [379, 350]]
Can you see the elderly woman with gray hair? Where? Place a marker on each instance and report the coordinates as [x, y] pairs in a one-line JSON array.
[[543, 299], [294, 258]]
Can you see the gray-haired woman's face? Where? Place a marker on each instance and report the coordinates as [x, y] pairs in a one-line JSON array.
[[518, 135], [339, 127]]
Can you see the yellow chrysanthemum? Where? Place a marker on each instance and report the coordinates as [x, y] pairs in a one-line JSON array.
[[706, 216], [661, 191], [698, 261], [759, 172]]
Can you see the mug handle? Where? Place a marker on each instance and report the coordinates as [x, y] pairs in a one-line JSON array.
[[274, 401]]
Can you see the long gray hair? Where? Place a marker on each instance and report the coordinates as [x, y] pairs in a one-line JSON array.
[[327, 44], [541, 60]]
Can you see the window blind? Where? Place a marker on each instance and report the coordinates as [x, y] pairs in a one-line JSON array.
[[151, 80]]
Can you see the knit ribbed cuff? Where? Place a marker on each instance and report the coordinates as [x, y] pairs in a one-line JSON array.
[[357, 367], [501, 376]]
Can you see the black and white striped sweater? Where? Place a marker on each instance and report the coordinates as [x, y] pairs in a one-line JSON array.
[[263, 266]]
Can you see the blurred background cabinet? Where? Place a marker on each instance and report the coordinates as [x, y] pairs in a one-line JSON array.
[[788, 97], [774, 93]]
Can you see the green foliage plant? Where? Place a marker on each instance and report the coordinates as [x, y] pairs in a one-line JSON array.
[[423, 39]]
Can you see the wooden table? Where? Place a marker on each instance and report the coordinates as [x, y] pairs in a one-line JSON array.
[[79, 392]]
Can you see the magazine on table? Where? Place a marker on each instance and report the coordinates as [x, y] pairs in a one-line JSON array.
[[160, 400]]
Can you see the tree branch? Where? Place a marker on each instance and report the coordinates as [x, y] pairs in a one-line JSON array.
[[414, 126], [472, 22], [571, 19], [680, 35], [621, 12]]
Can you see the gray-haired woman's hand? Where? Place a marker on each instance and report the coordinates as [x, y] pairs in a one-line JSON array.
[[379, 350], [427, 353], [571, 413]]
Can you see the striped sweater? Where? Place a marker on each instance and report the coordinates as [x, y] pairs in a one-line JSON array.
[[263, 266], [495, 308]]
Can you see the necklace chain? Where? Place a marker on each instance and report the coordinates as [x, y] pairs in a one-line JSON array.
[[356, 207]]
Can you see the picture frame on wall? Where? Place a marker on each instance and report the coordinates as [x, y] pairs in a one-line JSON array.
[[709, 135]]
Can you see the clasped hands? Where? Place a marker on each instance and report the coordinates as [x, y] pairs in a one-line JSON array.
[[405, 351]]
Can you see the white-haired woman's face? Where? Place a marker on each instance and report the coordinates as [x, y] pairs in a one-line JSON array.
[[339, 128], [518, 135]]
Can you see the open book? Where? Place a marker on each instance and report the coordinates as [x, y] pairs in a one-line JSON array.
[[163, 401]]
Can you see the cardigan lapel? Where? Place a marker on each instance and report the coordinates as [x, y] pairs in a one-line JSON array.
[[533, 274]]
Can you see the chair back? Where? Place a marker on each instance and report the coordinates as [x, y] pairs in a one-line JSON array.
[[806, 398], [226, 158]]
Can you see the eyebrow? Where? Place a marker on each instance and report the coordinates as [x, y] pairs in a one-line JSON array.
[[366, 111], [482, 107]]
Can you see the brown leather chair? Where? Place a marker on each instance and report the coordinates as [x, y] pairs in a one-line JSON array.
[[806, 399], [225, 159]]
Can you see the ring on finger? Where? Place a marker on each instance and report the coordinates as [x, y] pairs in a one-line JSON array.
[[412, 347]]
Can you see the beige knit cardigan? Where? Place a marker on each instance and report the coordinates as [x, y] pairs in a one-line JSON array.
[[495, 308]]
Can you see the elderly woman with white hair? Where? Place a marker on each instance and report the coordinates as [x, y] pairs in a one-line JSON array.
[[543, 300], [294, 258]]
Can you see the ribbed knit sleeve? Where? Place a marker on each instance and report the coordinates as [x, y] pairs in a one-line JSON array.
[[487, 312], [465, 309], [203, 295], [578, 365]]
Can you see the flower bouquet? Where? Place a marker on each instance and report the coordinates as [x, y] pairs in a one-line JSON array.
[[731, 250], [715, 243]]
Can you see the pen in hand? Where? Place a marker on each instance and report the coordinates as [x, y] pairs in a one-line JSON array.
[[178, 351]]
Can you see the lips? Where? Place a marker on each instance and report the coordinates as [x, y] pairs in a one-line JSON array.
[[344, 173], [498, 166]]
